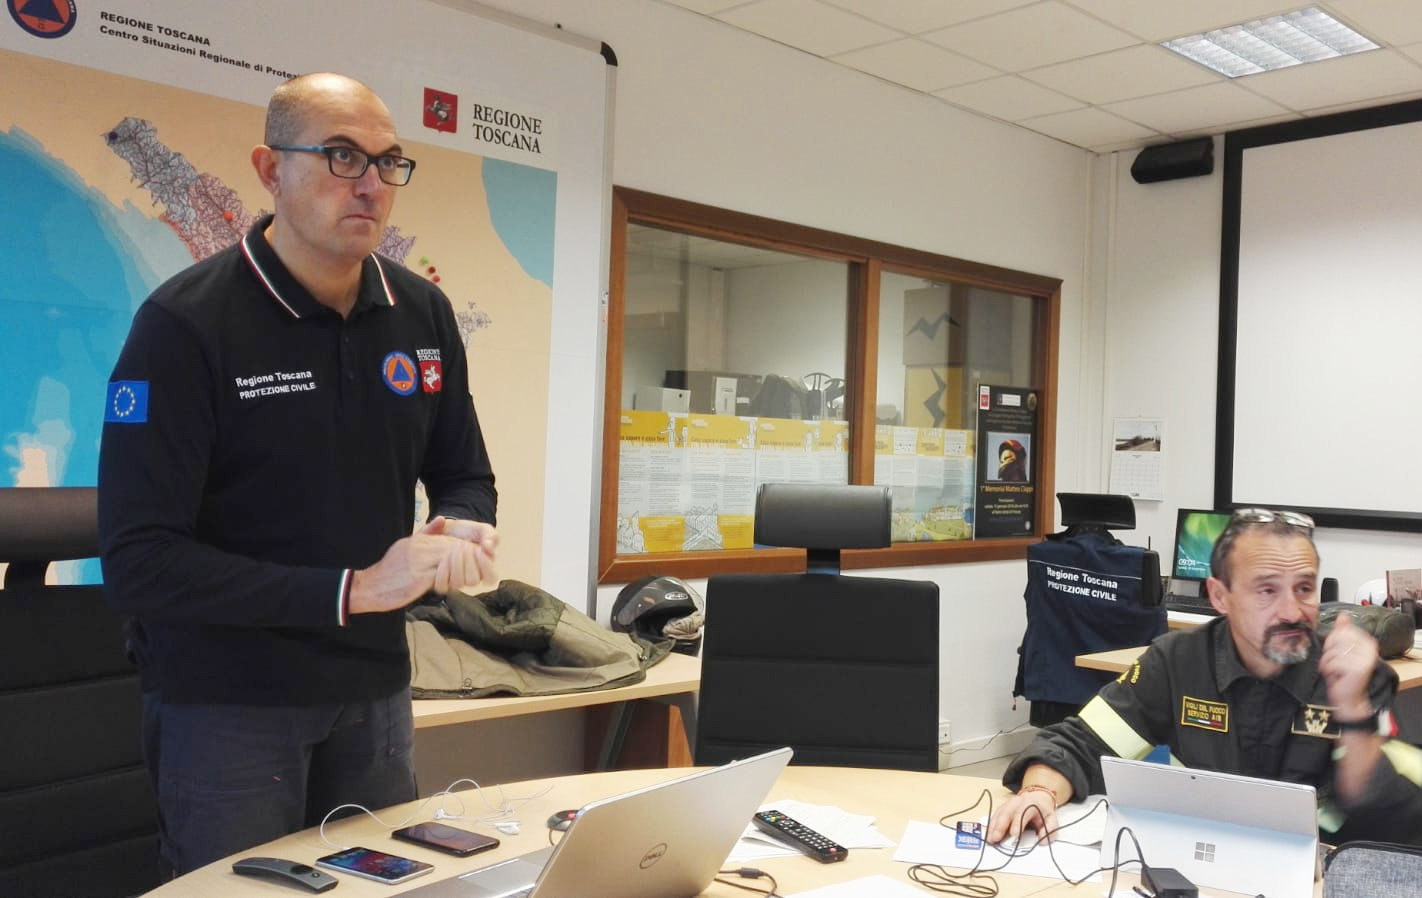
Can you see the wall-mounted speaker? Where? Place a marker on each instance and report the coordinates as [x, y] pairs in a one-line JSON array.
[[1168, 161]]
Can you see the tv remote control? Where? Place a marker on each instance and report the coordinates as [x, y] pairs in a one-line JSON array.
[[282, 870], [799, 835]]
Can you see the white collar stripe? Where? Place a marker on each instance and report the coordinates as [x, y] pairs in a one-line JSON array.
[[262, 276], [389, 294]]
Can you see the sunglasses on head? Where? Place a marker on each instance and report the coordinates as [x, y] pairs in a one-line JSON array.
[[1268, 516]]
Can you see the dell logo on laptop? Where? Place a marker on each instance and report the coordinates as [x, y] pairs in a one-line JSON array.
[[651, 857]]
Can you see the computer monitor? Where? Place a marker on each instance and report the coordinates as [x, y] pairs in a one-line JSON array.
[[1196, 530]]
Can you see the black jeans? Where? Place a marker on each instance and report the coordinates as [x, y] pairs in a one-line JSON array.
[[229, 777]]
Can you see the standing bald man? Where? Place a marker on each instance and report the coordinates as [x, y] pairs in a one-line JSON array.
[[265, 426]]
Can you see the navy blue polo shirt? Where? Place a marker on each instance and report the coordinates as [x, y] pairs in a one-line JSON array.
[[257, 449]]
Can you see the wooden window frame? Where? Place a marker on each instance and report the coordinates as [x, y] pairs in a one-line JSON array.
[[867, 260]]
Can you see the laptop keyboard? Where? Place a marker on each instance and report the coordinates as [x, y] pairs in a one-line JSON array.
[[1190, 604]]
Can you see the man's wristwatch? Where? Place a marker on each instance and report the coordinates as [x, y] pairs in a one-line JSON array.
[[1369, 724]]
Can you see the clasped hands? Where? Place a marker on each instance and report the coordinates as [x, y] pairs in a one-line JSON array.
[[443, 555]]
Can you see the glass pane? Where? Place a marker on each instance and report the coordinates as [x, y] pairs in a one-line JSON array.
[[734, 374], [940, 345]]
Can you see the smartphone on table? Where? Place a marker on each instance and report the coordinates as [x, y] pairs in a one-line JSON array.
[[449, 839], [376, 865]]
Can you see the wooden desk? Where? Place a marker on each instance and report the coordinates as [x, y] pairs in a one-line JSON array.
[[675, 680], [893, 797], [1185, 620], [1408, 667]]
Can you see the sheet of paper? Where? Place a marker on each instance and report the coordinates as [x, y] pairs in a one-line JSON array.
[[868, 887], [930, 843]]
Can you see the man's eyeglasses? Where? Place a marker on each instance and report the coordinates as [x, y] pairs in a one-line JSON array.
[[1268, 516], [349, 162]]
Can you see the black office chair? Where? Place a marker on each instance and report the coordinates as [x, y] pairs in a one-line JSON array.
[[76, 803], [842, 669], [1086, 592]]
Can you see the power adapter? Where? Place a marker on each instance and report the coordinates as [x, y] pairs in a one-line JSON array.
[[1167, 882]]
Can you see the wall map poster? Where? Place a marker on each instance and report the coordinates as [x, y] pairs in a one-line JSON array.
[[126, 131], [1007, 461]]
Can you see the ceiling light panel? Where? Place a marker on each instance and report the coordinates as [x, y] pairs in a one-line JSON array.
[[1274, 42]]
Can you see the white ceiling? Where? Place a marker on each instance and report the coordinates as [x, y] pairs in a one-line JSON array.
[[1089, 72]]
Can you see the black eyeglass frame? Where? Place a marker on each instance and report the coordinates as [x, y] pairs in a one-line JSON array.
[[329, 151]]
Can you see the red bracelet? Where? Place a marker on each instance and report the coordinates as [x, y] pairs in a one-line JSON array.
[[1038, 787]]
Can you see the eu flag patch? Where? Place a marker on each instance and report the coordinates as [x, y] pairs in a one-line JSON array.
[[126, 402]]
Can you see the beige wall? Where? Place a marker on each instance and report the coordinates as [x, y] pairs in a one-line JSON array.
[[713, 115]]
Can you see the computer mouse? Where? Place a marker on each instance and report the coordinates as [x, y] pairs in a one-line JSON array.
[[562, 820]]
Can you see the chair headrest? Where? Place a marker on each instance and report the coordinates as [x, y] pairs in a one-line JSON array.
[[1108, 510], [816, 516], [40, 524]]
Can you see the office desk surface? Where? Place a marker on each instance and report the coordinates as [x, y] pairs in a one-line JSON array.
[[893, 797], [674, 675], [1408, 667], [1184, 620]]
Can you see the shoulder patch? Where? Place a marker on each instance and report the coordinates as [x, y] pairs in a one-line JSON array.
[[126, 402], [1205, 714]]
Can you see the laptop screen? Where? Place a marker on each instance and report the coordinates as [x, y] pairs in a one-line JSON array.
[[1195, 533], [1221, 831]]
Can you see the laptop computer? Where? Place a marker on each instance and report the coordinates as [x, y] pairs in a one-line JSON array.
[[1196, 530], [1220, 830], [664, 841]]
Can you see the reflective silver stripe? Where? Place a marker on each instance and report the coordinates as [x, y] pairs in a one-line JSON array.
[[1118, 735]]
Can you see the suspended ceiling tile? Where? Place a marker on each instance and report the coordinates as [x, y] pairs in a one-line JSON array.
[[918, 16], [808, 25], [1387, 21], [1031, 36], [1158, 20], [915, 64], [1098, 79], [1348, 79], [1369, 103], [1009, 98], [706, 7], [1089, 127], [1212, 107]]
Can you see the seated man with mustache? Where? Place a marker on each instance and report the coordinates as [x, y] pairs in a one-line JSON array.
[[1253, 692]]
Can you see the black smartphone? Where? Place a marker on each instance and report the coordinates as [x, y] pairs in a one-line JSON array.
[[449, 839], [376, 865]]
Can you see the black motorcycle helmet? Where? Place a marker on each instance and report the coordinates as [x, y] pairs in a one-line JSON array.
[[654, 607]]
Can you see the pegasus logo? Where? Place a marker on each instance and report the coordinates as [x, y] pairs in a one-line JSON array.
[[655, 854], [1315, 720]]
